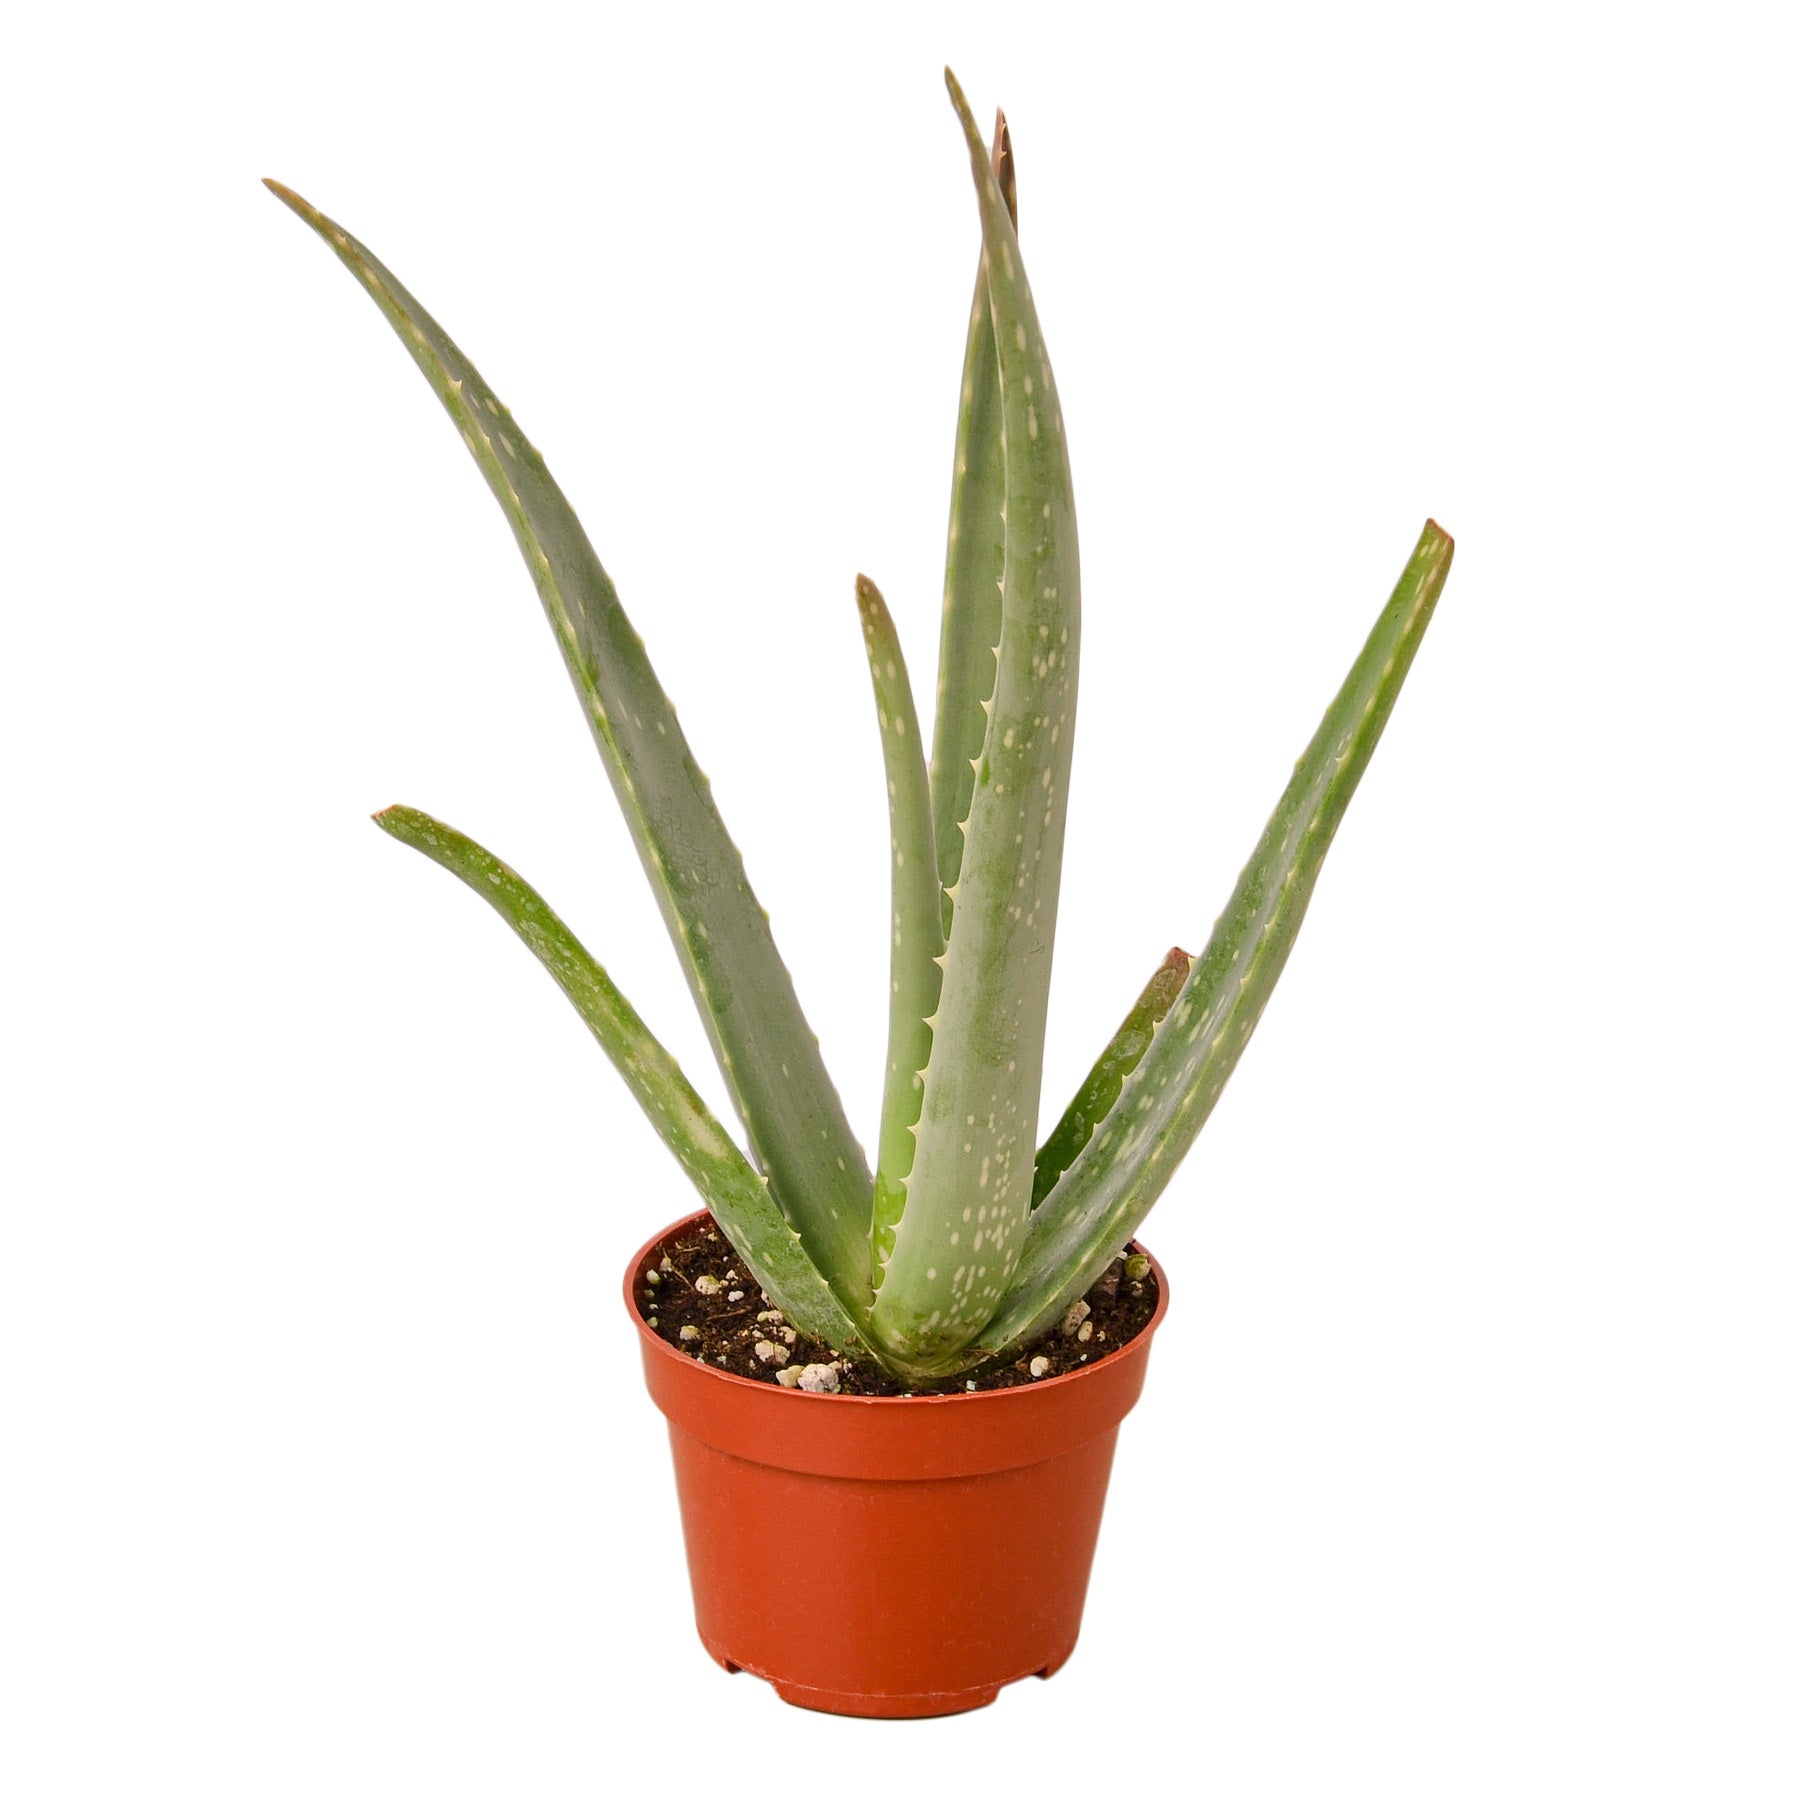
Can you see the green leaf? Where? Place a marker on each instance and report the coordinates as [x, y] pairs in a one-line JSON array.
[[738, 1196], [918, 945], [1097, 1095], [1115, 1179], [969, 1195], [769, 1056], [974, 567]]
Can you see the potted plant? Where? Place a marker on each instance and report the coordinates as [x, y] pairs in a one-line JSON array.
[[867, 1371]]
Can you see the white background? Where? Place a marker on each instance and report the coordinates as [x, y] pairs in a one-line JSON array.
[[1468, 1463]]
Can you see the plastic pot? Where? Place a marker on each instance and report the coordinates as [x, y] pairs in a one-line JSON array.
[[890, 1558]]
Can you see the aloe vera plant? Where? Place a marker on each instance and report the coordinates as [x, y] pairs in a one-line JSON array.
[[966, 1239]]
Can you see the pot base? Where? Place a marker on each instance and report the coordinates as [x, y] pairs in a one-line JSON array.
[[931, 1705]]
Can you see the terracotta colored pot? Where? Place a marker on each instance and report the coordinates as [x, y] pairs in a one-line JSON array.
[[891, 1558]]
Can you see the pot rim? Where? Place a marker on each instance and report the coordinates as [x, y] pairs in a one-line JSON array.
[[957, 1397]]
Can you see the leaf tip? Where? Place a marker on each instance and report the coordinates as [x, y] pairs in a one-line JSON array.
[[960, 101], [286, 196], [1004, 171]]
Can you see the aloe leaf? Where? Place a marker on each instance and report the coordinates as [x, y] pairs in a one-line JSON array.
[[969, 1196], [1115, 1179], [735, 1192], [974, 567], [1098, 1094], [770, 1058], [918, 944]]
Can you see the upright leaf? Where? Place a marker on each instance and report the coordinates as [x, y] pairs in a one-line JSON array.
[[769, 1056], [918, 943], [1099, 1093], [736, 1193], [1115, 1179], [974, 567], [970, 1191]]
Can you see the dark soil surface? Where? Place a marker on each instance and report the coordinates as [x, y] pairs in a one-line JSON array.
[[704, 1303]]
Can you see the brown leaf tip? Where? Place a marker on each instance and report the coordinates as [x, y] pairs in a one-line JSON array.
[[1004, 172]]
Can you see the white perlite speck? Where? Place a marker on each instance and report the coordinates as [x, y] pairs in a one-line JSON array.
[[1071, 1321], [819, 1378], [735, 1294], [789, 1377], [771, 1317], [1040, 1365], [707, 1284], [771, 1353], [689, 1333]]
